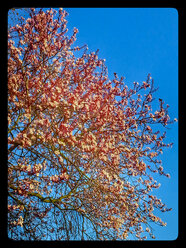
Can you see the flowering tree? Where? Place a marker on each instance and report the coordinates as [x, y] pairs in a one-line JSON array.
[[82, 149]]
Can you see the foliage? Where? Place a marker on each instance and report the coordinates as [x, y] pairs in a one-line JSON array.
[[82, 148]]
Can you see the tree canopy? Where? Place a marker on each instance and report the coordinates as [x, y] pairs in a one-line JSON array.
[[82, 149]]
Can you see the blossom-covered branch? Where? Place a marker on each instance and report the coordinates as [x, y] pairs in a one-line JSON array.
[[82, 148]]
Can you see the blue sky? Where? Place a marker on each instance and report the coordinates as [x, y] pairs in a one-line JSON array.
[[135, 42]]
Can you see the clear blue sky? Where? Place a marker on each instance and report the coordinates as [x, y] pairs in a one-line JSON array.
[[135, 42]]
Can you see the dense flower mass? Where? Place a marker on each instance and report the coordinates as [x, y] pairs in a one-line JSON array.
[[83, 149]]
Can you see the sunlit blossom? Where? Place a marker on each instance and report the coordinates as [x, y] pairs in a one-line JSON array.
[[75, 150]]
